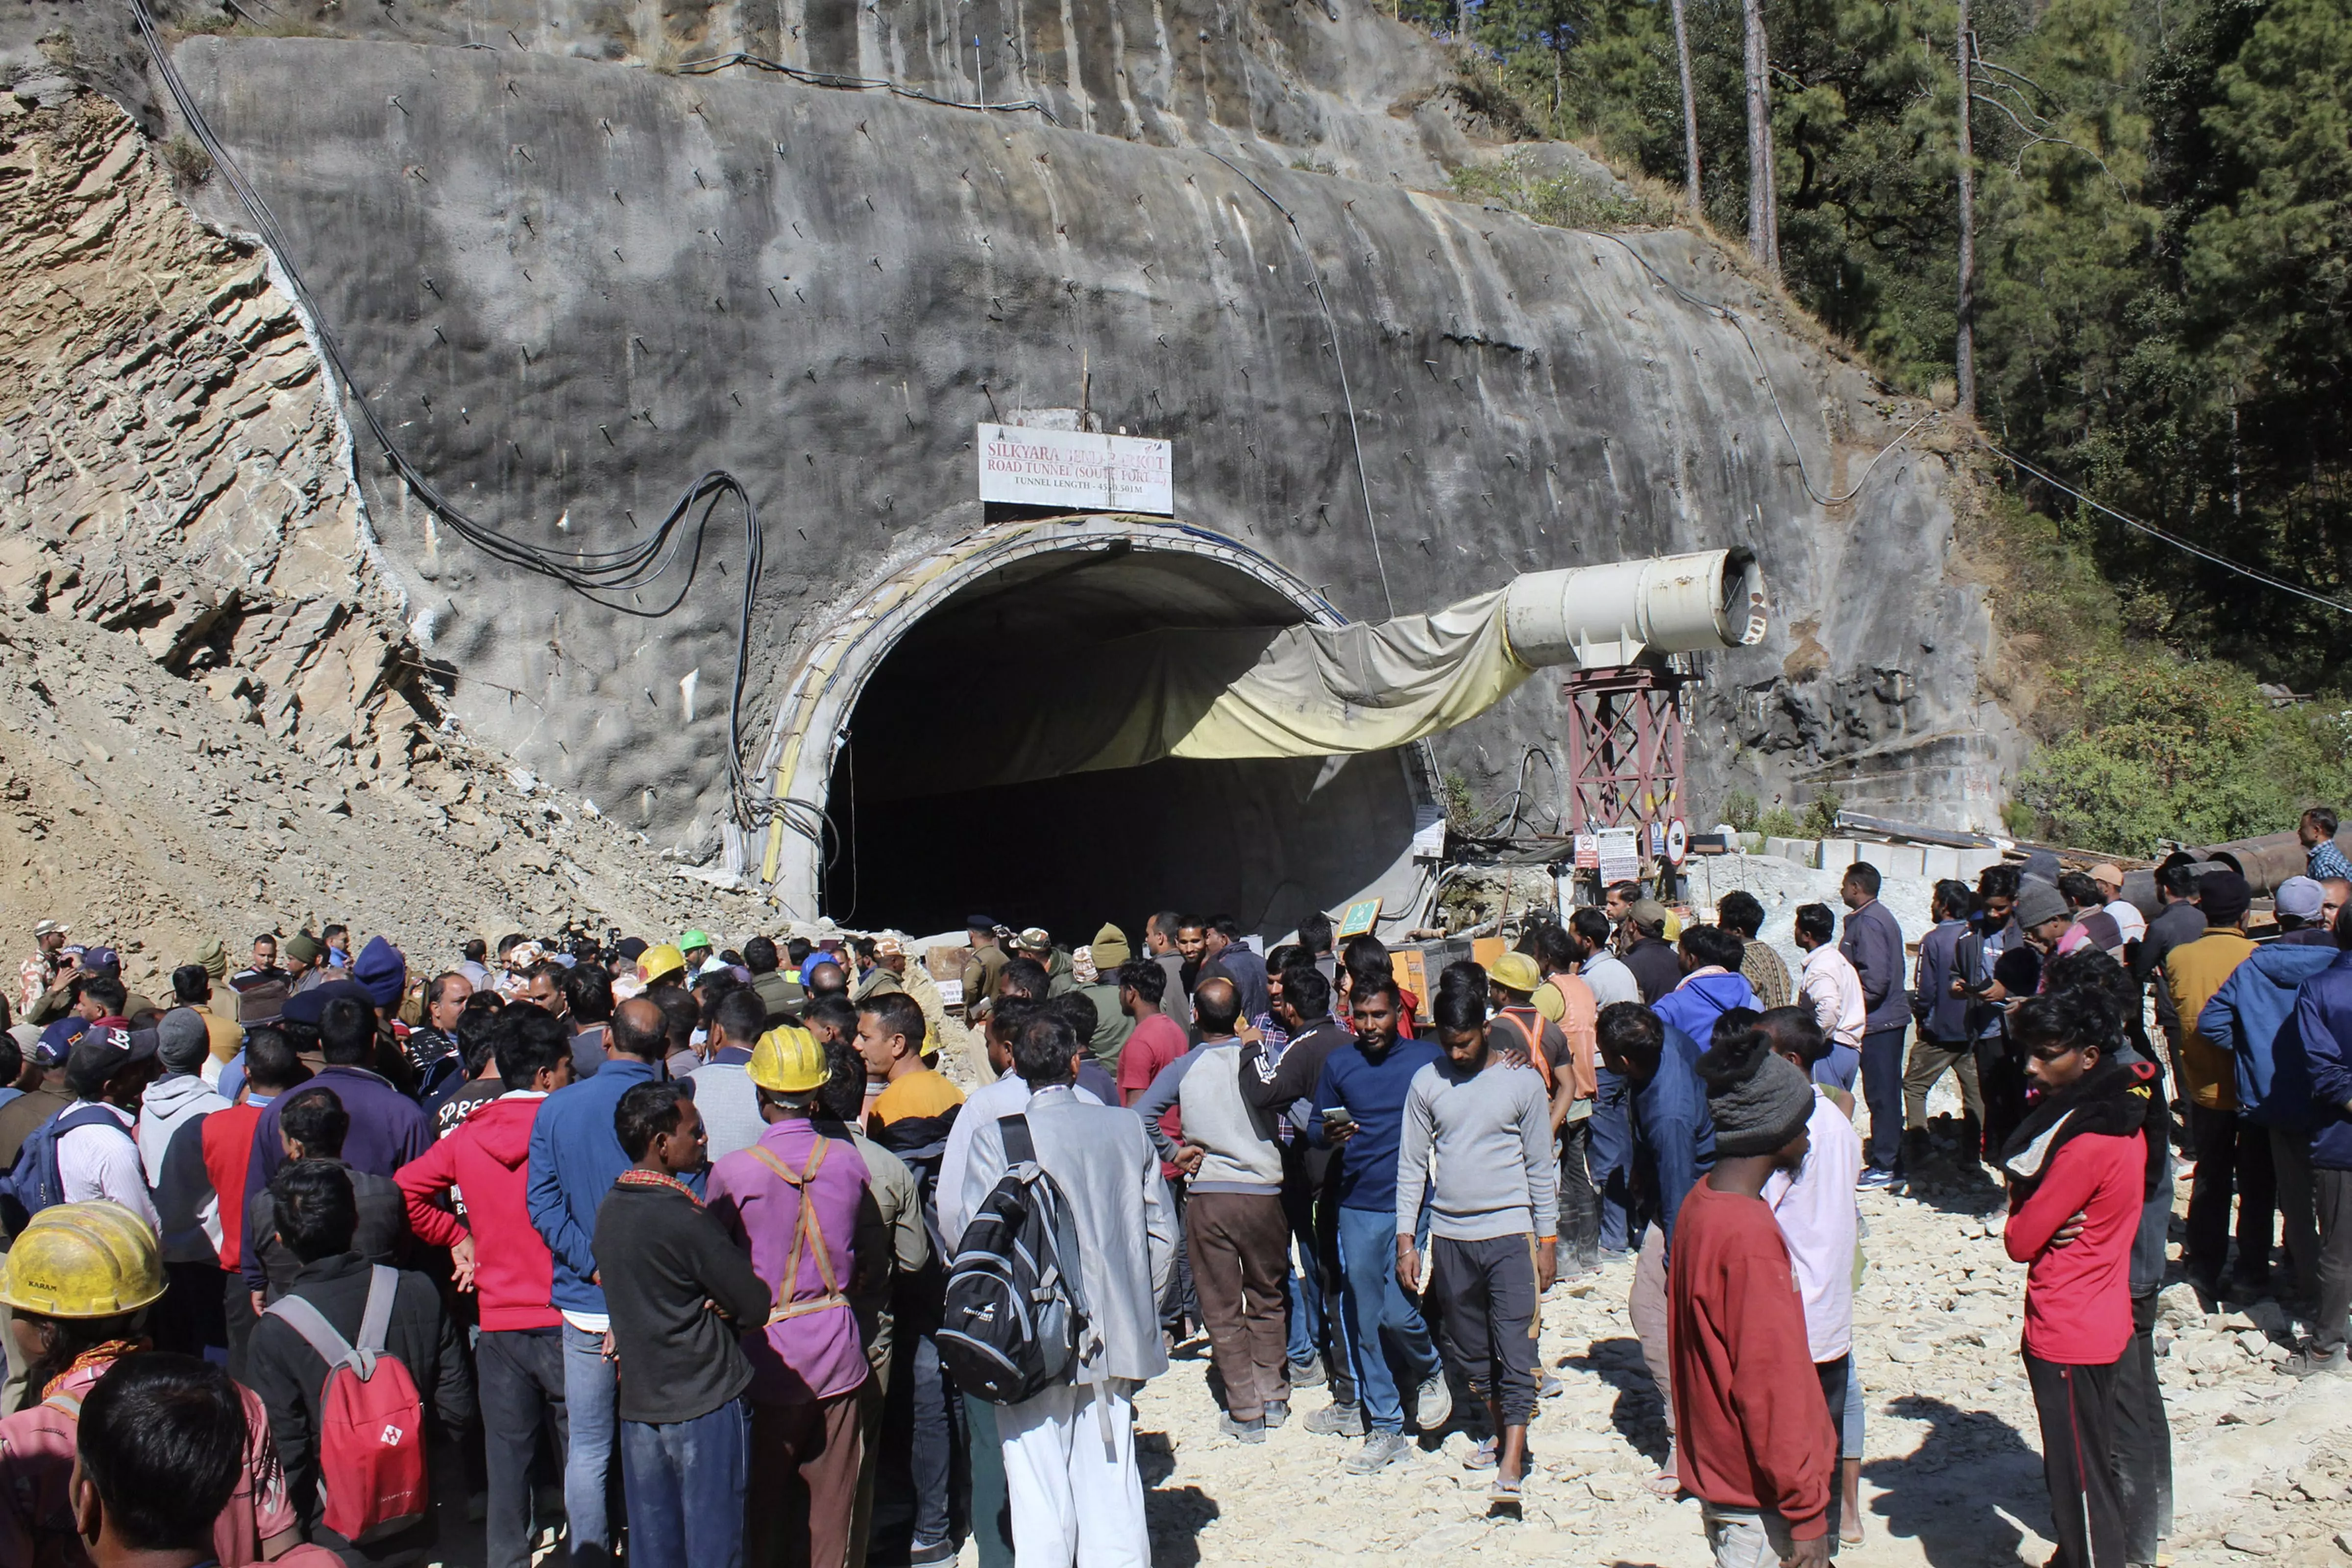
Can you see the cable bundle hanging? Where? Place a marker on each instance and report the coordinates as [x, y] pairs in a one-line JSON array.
[[717, 63], [603, 576]]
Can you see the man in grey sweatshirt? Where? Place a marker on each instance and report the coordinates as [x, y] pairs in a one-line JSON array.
[[1234, 1229], [1486, 1127]]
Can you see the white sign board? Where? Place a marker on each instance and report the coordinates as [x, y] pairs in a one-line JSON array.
[[1075, 470], [1621, 855]]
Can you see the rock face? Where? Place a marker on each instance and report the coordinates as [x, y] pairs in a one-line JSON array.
[[568, 283], [216, 722]]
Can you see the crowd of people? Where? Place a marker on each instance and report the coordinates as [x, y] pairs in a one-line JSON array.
[[673, 1246]]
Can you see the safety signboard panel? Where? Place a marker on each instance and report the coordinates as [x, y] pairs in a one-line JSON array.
[[1075, 470]]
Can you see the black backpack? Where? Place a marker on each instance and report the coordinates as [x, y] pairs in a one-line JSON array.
[[1014, 1322]]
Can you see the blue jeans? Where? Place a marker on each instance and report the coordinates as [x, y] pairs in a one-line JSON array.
[[1882, 1090], [685, 1481], [1306, 1321], [589, 1390], [920, 1434], [520, 1373], [1381, 1314], [1609, 1157], [1837, 1069]]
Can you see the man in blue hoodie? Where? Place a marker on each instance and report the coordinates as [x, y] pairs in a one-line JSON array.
[[1712, 983], [575, 1157], [1673, 1145], [2252, 1018], [2323, 1020], [1359, 1106]]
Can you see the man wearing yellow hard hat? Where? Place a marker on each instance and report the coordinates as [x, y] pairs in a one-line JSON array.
[[79, 1279], [793, 1200]]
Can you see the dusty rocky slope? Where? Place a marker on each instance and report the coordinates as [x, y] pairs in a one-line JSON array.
[[214, 720]]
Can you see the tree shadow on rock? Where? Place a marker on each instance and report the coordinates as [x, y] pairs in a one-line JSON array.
[[1639, 1414], [1955, 1492], [1174, 1515]]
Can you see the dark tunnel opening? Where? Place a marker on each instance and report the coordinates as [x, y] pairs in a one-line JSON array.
[[929, 836]]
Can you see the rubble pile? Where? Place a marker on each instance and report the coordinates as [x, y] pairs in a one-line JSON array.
[[217, 717]]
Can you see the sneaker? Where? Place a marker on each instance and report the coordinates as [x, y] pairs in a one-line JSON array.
[[1433, 1407], [1337, 1421], [1241, 1431], [1482, 1456], [1381, 1450], [922, 1553], [1277, 1413], [1306, 1374], [2308, 1363], [1874, 1180]]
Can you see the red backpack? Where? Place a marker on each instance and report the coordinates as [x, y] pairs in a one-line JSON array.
[[370, 1420]]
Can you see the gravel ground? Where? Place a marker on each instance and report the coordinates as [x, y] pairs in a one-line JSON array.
[[1951, 1476]]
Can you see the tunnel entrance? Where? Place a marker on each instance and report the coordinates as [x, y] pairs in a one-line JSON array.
[[926, 833]]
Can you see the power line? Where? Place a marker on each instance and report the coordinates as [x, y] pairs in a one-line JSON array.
[[2242, 569]]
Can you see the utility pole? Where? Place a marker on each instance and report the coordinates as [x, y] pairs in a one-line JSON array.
[[1964, 344], [1690, 112], [1763, 205]]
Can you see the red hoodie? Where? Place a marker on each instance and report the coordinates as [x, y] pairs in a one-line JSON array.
[[487, 1155], [2078, 1296]]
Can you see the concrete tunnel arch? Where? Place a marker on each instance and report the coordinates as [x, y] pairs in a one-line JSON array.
[[1268, 840]]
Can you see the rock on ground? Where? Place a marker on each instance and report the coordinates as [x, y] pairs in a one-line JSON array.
[[1952, 1476]]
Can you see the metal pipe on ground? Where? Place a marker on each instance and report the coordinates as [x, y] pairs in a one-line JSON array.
[[2267, 861]]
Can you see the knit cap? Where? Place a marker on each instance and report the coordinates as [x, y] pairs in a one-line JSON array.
[[2038, 901], [381, 971], [304, 948], [1111, 949], [213, 956], [181, 1040], [1757, 1101], [2224, 897]]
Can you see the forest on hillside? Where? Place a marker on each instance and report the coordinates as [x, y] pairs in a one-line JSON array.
[[2159, 206]]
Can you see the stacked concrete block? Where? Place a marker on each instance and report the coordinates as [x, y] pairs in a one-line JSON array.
[[1894, 859]]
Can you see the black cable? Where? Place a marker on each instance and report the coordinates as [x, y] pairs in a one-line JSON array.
[[1315, 272], [717, 63], [598, 576]]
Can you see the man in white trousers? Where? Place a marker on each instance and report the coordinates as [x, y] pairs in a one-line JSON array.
[[1076, 1493]]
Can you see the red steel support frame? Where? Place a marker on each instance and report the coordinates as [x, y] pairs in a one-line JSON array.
[[1625, 747]]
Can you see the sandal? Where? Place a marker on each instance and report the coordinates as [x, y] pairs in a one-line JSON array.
[[1482, 1456], [1665, 1484], [1510, 1493]]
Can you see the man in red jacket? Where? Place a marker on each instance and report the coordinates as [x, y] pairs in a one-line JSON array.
[[2078, 1168], [499, 1254], [1754, 1441]]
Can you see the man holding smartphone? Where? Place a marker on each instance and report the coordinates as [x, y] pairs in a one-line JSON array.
[[1359, 1106]]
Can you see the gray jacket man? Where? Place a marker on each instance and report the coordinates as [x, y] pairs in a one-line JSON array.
[[1069, 1453]]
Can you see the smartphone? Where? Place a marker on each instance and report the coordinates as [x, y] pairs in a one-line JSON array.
[[1336, 1117]]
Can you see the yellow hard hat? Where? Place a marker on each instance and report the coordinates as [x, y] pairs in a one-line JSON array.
[[788, 1060], [656, 961], [94, 1259], [1515, 972]]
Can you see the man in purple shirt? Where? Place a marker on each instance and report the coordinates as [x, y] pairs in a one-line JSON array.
[[387, 1129], [794, 1201]]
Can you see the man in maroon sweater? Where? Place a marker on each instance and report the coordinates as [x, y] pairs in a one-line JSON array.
[[2078, 1167], [1755, 1443]]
